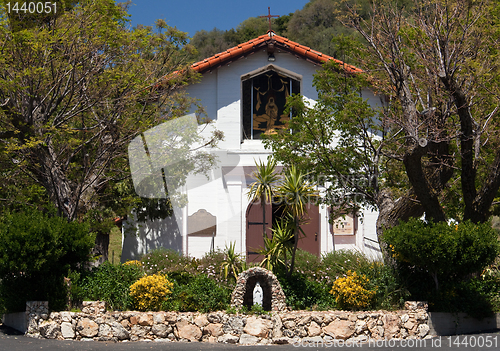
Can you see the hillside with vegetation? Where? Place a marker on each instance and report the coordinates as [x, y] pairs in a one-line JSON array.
[[315, 26]]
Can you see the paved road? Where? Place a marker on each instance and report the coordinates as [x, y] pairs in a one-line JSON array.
[[11, 340]]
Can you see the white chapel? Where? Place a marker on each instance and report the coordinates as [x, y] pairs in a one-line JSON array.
[[243, 90]]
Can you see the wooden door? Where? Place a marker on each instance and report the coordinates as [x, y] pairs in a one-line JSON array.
[[254, 237], [254, 241], [312, 239]]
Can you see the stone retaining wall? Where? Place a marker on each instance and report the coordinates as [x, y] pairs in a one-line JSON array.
[[93, 323]]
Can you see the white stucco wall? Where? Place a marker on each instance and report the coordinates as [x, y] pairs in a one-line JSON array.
[[224, 192]]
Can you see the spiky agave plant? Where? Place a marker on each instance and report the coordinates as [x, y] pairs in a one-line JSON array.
[[232, 263]]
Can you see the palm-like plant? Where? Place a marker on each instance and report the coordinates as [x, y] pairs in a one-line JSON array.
[[296, 193], [279, 247], [232, 262], [263, 188]]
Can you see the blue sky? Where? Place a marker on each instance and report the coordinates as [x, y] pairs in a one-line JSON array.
[[194, 15]]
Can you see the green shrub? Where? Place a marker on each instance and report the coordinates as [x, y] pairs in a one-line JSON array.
[[303, 293], [108, 282], [472, 296], [307, 263], [444, 251], [168, 261], [391, 292], [211, 264], [180, 267], [149, 292], [37, 250], [337, 263], [200, 294]]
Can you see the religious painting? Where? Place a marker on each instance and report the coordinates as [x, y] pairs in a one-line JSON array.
[[264, 103], [270, 91]]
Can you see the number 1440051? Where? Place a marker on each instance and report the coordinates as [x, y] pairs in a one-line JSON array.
[[31, 7]]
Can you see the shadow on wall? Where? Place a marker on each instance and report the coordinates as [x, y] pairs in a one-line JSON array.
[[149, 236]]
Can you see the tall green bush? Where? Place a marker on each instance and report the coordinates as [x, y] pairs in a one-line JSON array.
[[441, 249], [37, 250], [303, 293], [108, 282], [201, 294]]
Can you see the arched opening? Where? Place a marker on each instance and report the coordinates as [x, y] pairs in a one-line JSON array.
[[264, 94], [266, 292]]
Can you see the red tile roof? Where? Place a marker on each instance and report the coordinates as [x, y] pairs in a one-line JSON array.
[[262, 42]]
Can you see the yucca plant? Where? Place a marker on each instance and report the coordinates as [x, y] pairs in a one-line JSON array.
[[295, 193], [232, 262], [263, 188], [278, 250]]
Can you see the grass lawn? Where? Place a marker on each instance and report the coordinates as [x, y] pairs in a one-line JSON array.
[[115, 245], [495, 222]]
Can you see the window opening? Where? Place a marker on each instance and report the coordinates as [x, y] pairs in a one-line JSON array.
[[264, 99]]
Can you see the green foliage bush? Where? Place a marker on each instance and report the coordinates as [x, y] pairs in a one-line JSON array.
[[168, 261], [391, 292], [182, 268], [441, 263], [444, 251], [37, 250], [337, 263], [304, 293], [320, 273], [108, 282], [200, 294]]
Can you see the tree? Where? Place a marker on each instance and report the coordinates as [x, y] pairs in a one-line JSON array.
[[75, 89], [37, 250], [262, 189], [439, 61], [337, 141], [434, 150], [318, 23], [209, 43], [295, 193]]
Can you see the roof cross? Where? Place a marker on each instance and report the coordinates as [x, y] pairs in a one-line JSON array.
[[269, 16]]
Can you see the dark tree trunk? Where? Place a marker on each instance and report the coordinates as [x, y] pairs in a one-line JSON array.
[[101, 248], [391, 212]]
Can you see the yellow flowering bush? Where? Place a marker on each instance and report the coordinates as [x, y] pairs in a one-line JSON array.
[[133, 263], [149, 292], [350, 291]]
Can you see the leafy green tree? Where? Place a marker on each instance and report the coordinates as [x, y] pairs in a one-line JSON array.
[[75, 89], [209, 43], [337, 141], [20, 17], [433, 149], [319, 22], [37, 250]]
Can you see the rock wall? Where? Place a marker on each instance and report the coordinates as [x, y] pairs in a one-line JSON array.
[[94, 323]]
